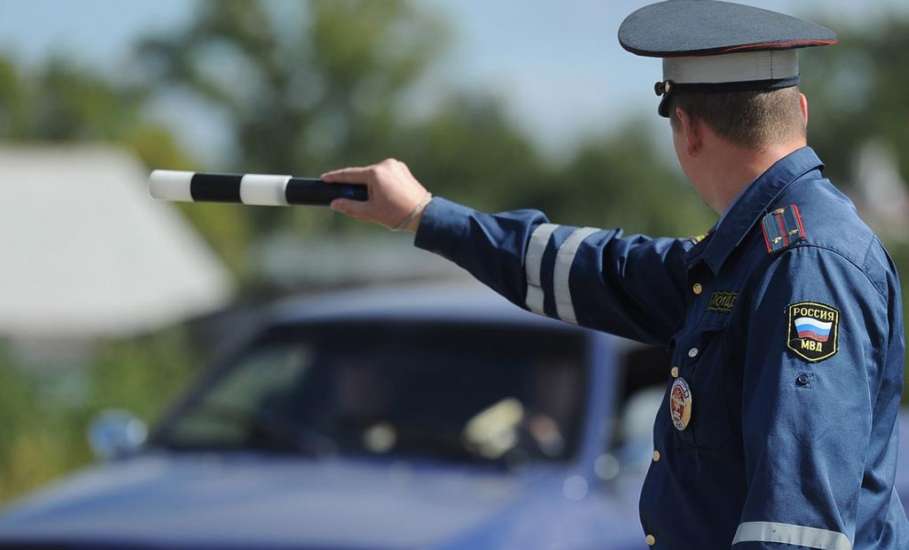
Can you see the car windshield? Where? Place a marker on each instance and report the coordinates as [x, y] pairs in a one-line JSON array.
[[434, 390]]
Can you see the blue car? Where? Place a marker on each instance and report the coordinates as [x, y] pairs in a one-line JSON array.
[[440, 418]]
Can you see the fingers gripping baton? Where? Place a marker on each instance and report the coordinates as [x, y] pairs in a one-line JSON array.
[[252, 189]]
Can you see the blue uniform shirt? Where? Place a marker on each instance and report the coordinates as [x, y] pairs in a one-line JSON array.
[[779, 425]]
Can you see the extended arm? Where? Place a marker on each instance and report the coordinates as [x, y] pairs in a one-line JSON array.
[[628, 286]]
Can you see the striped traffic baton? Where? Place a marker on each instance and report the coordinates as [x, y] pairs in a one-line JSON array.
[[252, 189]]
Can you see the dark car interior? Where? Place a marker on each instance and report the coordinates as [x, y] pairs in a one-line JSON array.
[[464, 392]]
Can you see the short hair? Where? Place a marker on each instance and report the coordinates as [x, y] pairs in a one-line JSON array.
[[751, 119]]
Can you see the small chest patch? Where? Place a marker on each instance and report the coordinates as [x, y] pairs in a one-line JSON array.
[[722, 302], [813, 331]]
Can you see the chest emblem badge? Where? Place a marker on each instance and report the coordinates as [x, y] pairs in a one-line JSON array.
[[813, 331], [722, 302], [680, 403]]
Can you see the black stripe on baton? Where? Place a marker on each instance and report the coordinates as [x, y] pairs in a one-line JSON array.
[[316, 192], [215, 187]]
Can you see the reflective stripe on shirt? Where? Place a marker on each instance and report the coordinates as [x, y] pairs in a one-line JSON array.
[[560, 283], [786, 533], [533, 266]]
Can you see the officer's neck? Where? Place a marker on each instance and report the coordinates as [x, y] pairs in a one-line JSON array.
[[729, 169]]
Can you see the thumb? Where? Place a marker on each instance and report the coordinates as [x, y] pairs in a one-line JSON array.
[[354, 209]]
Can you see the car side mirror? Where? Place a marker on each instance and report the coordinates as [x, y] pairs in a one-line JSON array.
[[115, 434]]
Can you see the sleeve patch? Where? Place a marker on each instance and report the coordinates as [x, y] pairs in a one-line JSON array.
[[814, 329]]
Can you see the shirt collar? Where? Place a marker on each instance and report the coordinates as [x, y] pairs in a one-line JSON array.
[[751, 205]]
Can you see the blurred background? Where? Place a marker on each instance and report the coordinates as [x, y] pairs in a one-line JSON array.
[[110, 300]]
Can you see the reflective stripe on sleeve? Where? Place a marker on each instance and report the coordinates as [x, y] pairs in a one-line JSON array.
[[533, 266], [564, 261], [785, 533]]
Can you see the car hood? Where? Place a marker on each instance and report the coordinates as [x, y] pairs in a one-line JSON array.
[[247, 500]]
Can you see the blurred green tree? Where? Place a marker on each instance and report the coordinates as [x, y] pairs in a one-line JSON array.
[[470, 150], [45, 411], [857, 93], [303, 88], [61, 102], [331, 84], [622, 180]]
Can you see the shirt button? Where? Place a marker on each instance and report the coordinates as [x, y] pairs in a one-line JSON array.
[[674, 372], [650, 540], [693, 352], [698, 289], [656, 456]]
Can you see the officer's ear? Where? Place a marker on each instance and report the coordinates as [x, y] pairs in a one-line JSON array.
[[689, 132], [803, 103]]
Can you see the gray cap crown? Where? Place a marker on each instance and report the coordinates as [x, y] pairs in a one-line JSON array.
[[710, 27]]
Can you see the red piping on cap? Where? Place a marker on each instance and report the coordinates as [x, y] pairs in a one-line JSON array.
[[783, 45]]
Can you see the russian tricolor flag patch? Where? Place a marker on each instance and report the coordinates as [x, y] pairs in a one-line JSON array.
[[813, 329]]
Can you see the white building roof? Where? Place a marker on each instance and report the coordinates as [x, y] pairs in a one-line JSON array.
[[86, 252]]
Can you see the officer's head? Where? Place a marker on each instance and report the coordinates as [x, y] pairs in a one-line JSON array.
[[730, 77], [705, 123], [751, 120]]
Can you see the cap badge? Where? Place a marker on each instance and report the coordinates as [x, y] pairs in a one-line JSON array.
[[680, 404], [663, 88]]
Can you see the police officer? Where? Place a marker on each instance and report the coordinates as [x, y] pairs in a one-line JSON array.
[[779, 424]]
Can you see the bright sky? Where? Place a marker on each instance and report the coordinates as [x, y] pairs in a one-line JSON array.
[[556, 62]]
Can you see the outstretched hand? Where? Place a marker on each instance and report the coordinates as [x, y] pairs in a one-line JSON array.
[[395, 200]]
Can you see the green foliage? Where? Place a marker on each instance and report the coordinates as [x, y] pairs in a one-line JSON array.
[[312, 89], [471, 151], [857, 92], [28, 456], [141, 375], [622, 181], [60, 102], [328, 85], [45, 411]]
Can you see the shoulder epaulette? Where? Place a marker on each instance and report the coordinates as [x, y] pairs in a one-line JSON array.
[[782, 228]]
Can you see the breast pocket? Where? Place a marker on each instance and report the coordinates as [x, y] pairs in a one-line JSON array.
[[707, 372]]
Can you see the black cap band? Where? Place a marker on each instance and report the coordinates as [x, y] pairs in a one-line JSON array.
[[667, 88]]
